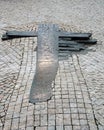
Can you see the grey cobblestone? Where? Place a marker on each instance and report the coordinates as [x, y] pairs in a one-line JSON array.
[[51, 128]]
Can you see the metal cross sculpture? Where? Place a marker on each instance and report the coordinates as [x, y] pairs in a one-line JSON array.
[[49, 41]]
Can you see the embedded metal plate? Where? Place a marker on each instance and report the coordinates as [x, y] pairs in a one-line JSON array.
[[47, 63]]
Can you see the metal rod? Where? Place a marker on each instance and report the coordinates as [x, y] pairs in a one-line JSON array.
[[22, 33], [75, 36]]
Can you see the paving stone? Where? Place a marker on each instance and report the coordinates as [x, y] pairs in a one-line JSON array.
[[15, 123], [75, 116], [67, 119], [100, 127], [36, 123], [51, 119], [75, 122], [41, 128], [76, 128], [29, 128], [43, 120], [29, 121], [83, 122], [66, 110], [59, 127], [68, 127], [51, 127], [7, 125], [59, 119]]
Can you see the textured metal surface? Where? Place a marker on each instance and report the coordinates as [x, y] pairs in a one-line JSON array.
[[18, 34], [47, 63], [21, 33], [62, 35], [74, 36], [89, 41]]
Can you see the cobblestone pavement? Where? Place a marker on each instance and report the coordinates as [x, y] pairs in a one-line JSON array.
[[78, 90]]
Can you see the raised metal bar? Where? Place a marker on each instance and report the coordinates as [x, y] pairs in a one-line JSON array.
[[74, 36], [62, 35], [22, 33], [18, 34], [47, 63], [71, 48], [6, 37], [62, 43], [89, 41]]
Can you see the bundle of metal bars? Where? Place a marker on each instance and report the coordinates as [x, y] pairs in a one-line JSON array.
[[75, 41], [67, 41]]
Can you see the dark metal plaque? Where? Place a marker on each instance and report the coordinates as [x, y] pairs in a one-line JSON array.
[[47, 63]]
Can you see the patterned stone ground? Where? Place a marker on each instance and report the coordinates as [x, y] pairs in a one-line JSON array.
[[10, 61], [93, 72]]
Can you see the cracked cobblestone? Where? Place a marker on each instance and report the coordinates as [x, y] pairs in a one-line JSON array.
[[78, 90]]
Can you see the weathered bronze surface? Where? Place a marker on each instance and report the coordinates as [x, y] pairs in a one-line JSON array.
[[66, 42], [21, 34], [61, 34], [47, 63], [18, 34], [74, 36], [89, 41]]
